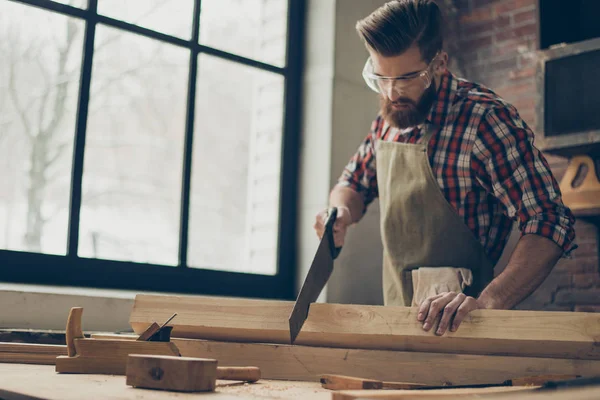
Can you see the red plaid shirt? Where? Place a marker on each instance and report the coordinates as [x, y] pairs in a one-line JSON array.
[[486, 165]]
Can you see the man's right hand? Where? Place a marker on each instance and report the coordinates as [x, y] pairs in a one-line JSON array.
[[342, 222]]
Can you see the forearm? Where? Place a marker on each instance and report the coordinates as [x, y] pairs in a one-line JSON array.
[[529, 265], [342, 196]]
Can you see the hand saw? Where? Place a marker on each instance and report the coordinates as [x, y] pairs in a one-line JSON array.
[[318, 275]]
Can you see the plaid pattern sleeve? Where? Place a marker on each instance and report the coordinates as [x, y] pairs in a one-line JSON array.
[[510, 167], [360, 172]]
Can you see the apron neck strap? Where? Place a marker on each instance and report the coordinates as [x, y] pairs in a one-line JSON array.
[[428, 130]]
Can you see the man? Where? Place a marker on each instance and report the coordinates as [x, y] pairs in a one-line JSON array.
[[453, 166]]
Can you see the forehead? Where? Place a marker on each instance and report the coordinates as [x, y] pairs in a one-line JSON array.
[[405, 63]]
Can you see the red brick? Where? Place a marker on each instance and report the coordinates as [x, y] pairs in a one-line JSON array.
[[524, 104], [477, 15], [578, 266], [586, 280], [502, 21], [520, 32], [512, 5], [529, 118], [477, 29], [526, 60], [522, 73], [484, 3], [477, 43], [506, 64], [506, 48], [578, 296], [587, 250], [586, 230], [594, 309], [530, 15], [519, 90]]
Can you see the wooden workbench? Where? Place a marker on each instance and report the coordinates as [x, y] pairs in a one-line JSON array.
[[42, 382]]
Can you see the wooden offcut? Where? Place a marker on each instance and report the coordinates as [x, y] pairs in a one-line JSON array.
[[343, 382], [493, 332], [182, 374]]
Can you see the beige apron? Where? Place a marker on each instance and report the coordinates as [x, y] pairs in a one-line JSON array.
[[424, 238]]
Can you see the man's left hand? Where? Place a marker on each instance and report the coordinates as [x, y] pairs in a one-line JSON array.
[[453, 307]]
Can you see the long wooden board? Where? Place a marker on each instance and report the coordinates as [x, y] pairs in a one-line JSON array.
[[427, 394], [303, 363], [508, 393], [26, 353], [497, 332]]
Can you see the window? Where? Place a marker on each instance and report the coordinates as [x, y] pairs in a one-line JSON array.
[[152, 145], [576, 23]]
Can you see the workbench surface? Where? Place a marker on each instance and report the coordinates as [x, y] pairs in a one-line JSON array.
[[41, 381]]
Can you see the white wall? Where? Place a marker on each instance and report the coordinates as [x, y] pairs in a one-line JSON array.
[[338, 111]]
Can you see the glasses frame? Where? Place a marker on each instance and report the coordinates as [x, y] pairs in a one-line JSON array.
[[372, 79]]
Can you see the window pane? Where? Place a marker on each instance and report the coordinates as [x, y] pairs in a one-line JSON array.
[[74, 3], [134, 148], [251, 28], [40, 67], [166, 16], [234, 212]]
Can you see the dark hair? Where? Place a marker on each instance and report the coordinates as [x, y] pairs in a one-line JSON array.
[[394, 27]]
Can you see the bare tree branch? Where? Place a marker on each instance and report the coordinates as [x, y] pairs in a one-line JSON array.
[[12, 90], [63, 84]]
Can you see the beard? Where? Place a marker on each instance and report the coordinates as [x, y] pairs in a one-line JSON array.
[[413, 113]]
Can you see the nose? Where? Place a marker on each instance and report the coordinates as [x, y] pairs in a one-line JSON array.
[[392, 92]]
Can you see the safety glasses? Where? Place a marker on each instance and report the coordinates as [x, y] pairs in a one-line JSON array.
[[398, 84]]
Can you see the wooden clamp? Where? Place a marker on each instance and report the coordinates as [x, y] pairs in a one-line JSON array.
[[185, 374], [103, 356]]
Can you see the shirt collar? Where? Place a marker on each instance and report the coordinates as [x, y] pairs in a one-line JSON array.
[[445, 97]]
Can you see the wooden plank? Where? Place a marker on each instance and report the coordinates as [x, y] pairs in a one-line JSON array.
[[30, 353], [588, 393], [426, 394], [303, 363], [497, 332]]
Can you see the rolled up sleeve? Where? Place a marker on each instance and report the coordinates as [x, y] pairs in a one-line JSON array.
[[360, 174], [518, 175]]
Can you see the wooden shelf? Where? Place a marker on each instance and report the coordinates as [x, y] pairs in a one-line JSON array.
[[588, 212]]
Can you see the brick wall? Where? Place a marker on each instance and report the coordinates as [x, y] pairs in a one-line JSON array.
[[497, 45]]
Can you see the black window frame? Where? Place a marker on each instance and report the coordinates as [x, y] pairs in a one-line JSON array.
[[72, 270]]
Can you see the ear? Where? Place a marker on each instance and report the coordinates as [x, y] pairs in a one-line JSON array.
[[441, 65]]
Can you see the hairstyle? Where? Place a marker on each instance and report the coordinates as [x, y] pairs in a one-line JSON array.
[[397, 25]]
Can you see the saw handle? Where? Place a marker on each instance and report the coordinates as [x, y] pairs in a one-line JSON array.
[[331, 217]]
